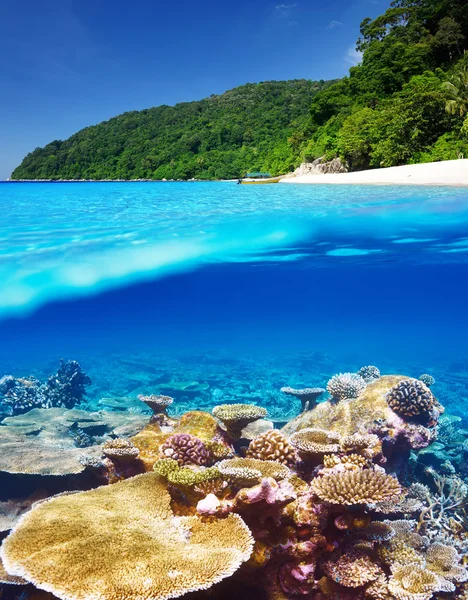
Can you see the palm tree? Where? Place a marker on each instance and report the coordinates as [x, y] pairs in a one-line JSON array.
[[457, 91]]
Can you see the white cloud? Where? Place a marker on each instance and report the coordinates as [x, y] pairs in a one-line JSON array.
[[352, 56], [285, 7], [334, 24]]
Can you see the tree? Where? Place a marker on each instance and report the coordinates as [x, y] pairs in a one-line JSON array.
[[457, 92]]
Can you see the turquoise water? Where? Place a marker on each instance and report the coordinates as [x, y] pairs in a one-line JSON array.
[[355, 274]]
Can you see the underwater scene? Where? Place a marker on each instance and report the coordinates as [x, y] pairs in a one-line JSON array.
[[216, 391]]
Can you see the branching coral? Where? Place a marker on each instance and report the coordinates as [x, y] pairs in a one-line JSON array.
[[186, 449], [122, 541], [312, 441], [307, 396], [237, 416], [427, 379], [356, 487], [369, 373], [346, 385], [411, 398], [272, 445], [412, 582], [353, 569]]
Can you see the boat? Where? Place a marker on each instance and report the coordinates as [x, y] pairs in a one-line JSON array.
[[259, 178]]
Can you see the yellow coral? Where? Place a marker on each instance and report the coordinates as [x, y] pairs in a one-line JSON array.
[[272, 445], [412, 582], [356, 487], [122, 541], [315, 441], [188, 478], [378, 589], [353, 569], [444, 561], [398, 551]]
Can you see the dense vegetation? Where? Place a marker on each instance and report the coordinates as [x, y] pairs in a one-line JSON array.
[[244, 129], [406, 102]]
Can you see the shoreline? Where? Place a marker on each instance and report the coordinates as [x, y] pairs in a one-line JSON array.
[[443, 173]]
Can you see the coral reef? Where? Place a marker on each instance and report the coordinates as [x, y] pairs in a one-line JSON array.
[[428, 380], [345, 385], [342, 503]]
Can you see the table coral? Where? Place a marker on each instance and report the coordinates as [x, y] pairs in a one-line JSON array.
[[272, 445], [121, 450], [122, 541], [237, 416], [311, 441], [356, 487], [414, 583], [307, 396]]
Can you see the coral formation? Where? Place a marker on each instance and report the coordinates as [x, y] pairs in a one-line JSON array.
[[345, 385], [307, 396], [120, 450], [237, 416], [311, 442], [356, 487], [410, 398], [415, 583], [369, 373], [251, 469], [122, 541], [352, 569], [272, 445], [428, 380], [65, 389], [186, 449], [157, 403]]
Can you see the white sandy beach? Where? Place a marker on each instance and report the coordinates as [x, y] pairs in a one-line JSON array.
[[449, 172]]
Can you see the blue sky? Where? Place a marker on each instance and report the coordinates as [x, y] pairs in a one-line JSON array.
[[66, 64]]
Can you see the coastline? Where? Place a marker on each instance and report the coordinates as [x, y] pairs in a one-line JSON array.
[[449, 172]]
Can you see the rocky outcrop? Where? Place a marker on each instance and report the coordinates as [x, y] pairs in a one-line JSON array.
[[320, 167]]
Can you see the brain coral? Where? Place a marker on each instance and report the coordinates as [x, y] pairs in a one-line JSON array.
[[412, 582], [356, 487], [346, 385], [272, 445], [122, 541], [353, 569], [186, 449], [315, 441], [410, 398]]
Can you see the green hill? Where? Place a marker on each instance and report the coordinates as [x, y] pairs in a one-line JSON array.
[[406, 102], [225, 136]]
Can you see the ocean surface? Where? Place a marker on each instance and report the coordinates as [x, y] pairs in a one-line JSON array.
[[227, 286]]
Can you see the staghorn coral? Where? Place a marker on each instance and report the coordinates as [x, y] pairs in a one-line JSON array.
[[249, 471], [237, 416], [309, 442], [356, 487], [369, 373], [120, 450], [186, 449], [412, 582], [122, 541], [411, 398], [353, 569], [427, 379], [346, 385], [307, 396], [272, 445]]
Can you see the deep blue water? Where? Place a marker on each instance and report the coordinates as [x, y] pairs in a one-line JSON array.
[[363, 275]]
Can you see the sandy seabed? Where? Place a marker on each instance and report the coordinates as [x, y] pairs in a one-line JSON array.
[[449, 172]]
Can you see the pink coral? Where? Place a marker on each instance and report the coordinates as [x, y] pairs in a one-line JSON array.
[[297, 578], [268, 491], [186, 449], [211, 505]]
